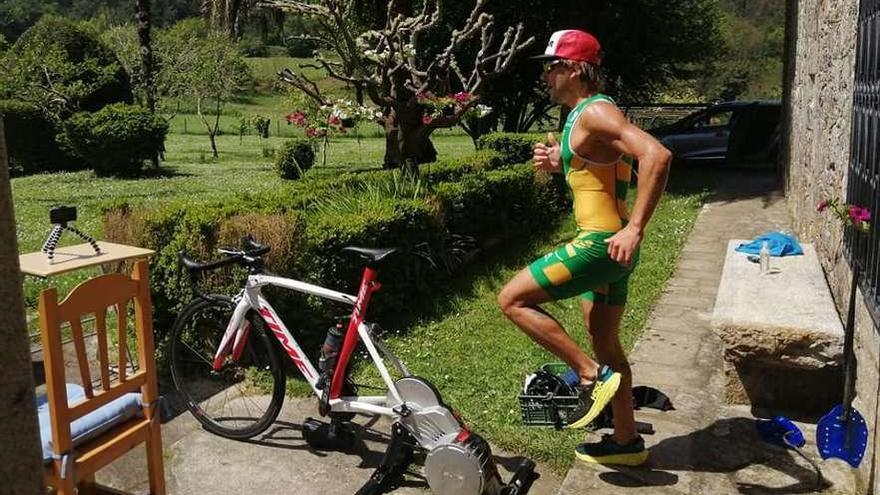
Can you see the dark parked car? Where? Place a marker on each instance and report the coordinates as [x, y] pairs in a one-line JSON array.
[[734, 133]]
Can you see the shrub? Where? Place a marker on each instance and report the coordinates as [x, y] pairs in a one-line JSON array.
[[514, 147], [116, 139], [30, 140], [496, 204], [293, 158], [253, 47], [84, 72], [451, 169], [300, 48]]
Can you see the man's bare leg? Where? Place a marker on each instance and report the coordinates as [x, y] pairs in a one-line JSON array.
[[519, 301], [603, 327]]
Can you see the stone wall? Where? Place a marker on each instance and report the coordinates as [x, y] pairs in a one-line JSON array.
[[820, 70]]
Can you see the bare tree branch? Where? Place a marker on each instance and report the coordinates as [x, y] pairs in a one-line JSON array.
[[389, 64], [295, 7], [303, 84]]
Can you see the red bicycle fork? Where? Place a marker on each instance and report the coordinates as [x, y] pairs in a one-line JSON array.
[[369, 285], [237, 347]]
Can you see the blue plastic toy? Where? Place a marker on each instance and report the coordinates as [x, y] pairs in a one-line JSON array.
[[783, 432]]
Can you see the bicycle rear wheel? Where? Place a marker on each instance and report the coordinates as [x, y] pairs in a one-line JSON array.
[[244, 397]]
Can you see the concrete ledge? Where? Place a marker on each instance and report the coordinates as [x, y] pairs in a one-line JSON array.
[[781, 334]]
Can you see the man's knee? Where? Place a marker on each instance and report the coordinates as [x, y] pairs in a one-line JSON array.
[[508, 301]]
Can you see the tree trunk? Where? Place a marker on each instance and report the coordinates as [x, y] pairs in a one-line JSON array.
[[407, 140], [147, 72], [212, 130], [147, 67], [20, 467], [264, 28], [212, 137], [233, 19], [278, 15]]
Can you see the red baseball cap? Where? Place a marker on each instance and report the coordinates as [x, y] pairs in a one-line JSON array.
[[572, 44]]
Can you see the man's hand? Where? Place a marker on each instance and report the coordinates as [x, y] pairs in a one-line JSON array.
[[623, 244], [546, 156]]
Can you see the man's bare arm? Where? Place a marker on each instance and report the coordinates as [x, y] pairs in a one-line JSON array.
[[607, 124]]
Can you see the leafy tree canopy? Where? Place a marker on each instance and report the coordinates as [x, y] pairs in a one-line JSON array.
[[647, 45], [749, 64], [62, 68], [16, 16], [202, 65]]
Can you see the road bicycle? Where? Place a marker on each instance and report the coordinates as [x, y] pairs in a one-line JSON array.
[[224, 360]]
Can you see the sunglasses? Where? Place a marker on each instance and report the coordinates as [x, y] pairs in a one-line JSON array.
[[548, 66]]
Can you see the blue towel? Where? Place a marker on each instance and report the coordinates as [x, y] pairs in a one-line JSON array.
[[780, 245]]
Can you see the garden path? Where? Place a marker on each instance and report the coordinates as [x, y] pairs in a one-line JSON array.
[[705, 446]]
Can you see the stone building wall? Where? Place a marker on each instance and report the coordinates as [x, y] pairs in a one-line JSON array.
[[820, 73]]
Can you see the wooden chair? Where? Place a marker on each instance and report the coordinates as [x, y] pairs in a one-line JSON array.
[[127, 405]]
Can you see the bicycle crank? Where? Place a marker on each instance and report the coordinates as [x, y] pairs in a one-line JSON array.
[[457, 461]]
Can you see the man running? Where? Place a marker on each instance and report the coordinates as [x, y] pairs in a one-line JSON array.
[[597, 145]]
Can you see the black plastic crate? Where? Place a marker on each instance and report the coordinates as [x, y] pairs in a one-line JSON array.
[[550, 409]]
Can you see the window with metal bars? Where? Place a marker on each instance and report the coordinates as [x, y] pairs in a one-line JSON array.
[[863, 182]]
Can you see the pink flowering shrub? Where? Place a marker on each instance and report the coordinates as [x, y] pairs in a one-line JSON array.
[[855, 215], [339, 117], [438, 106]]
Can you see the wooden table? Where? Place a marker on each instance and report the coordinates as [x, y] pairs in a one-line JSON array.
[[70, 258]]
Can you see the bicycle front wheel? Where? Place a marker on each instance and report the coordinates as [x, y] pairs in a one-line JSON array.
[[243, 397]]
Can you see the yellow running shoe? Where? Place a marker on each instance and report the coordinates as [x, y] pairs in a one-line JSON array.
[[593, 398], [609, 452]]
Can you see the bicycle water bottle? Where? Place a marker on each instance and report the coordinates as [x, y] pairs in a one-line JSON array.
[[330, 350]]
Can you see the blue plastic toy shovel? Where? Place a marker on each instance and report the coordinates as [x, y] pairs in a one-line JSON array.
[[842, 432], [781, 431]]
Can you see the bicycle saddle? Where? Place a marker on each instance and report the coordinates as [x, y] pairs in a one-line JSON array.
[[374, 255]]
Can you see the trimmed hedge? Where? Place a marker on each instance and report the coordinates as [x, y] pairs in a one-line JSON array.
[[451, 169], [115, 140], [498, 204], [30, 140], [516, 147], [307, 231]]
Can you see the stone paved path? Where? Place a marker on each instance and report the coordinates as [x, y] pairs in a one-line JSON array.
[[705, 446]]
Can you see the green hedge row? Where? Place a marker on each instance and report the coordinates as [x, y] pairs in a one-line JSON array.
[[30, 140], [115, 140], [451, 169], [517, 147], [307, 224]]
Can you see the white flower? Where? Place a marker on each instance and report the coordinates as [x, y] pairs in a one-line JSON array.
[[483, 110]]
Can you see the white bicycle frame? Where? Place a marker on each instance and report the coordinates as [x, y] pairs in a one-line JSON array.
[[251, 298]]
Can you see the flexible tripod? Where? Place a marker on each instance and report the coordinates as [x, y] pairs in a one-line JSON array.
[[55, 235]]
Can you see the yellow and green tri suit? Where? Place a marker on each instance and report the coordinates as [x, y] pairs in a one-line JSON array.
[[582, 266]]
